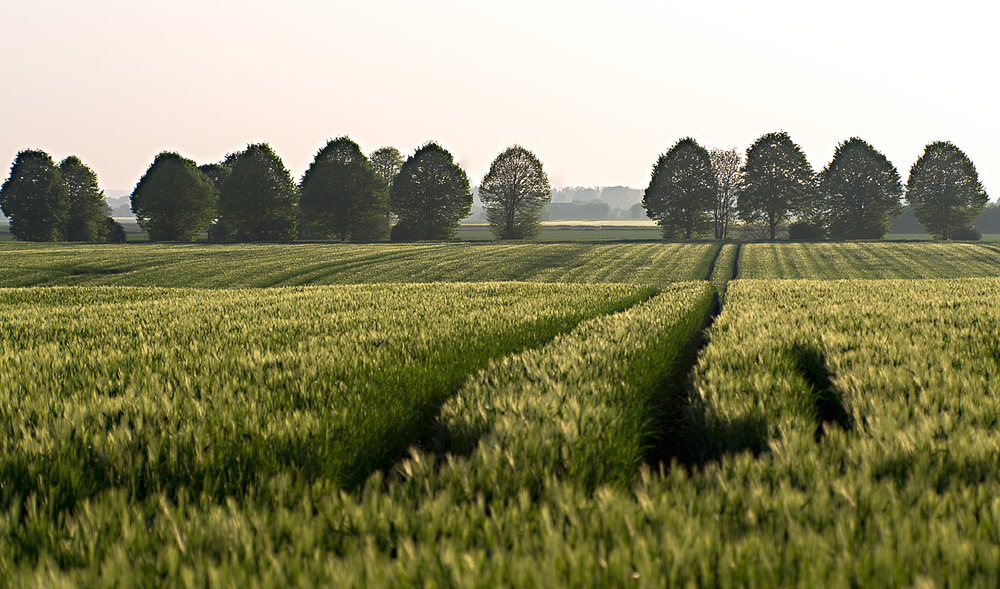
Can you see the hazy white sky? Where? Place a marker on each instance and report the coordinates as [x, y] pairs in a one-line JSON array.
[[596, 89]]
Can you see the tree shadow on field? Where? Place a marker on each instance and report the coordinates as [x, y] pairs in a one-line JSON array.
[[822, 398]]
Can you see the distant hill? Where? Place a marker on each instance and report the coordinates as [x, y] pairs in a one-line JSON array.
[[118, 202]]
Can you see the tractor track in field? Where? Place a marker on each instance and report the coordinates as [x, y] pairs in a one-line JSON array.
[[682, 422]]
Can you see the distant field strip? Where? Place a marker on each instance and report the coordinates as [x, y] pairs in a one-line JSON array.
[[869, 260], [212, 391], [265, 265]]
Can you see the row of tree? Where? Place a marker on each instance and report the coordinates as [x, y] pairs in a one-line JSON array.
[[46, 202], [250, 195], [344, 195], [693, 190]]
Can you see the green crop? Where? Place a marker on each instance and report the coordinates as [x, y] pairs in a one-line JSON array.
[[831, 261], [256, 265], [150, 390], [829, 433]]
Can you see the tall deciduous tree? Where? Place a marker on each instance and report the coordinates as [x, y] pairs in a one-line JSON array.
[[217, 172], [86, 220], [945, 192], [173, 201], [387, 162], [259, 201], [862, 192], [778, 182], [341, 195], [682, 190], [430, 195], [35, 198], [514, 192], [727, 164]]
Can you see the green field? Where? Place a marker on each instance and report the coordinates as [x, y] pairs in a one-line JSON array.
[[500, 415], [268, 265]]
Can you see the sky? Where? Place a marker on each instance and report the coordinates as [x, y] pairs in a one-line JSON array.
[[597, 90]]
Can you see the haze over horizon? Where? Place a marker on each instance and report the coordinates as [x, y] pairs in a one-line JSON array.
[[596, 91]]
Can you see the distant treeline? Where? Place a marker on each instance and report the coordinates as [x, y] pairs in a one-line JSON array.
[[772, 189], [694, 192]]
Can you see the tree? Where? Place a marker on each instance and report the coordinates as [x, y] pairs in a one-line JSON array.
[[945, 192], [341, 195], [173, 201], [513, 193], [682, 190], [259, 201], [35, 198], [778, 182], [727, 164], [113, 231], [86, 221], [862, 192], [217, 173], [430, 195], [387, 161]]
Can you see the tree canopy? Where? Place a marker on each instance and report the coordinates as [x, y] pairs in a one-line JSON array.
[[259, 201], [513, 193], [387, 162], [727, 164], [861, 190], [35, 198], [173, 200], [341, 195], [682, 190], [778, 182], [945, 192], [430, 195], [86, 220]]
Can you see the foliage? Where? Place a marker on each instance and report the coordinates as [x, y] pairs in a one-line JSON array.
[[86, 202], [945, 192], [727, 164], [216, 172], [173, 201], [682, 190], [513, 192], [804, 230], [266, 265], [386, 161], [113, 231], [431, 194], [35, 198], [342, 196], [259, 201], [778, 183], [862, 192]]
